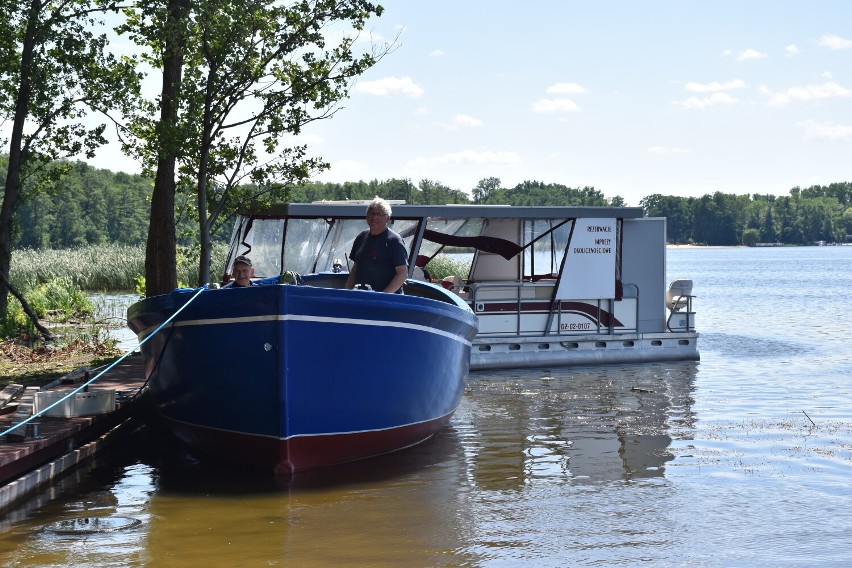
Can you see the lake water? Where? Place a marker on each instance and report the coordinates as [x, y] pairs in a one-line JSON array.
[[741, 459]]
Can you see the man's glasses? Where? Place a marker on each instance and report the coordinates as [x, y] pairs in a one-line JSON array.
[[376, 214]]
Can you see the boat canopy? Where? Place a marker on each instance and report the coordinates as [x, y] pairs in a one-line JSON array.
[[503, 243]]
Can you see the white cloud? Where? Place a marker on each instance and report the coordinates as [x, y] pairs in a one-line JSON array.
[[436, 53], [750, 54], [791, 50], [835, 42], [715, 99], [662, 150], [566, 89], [826, 130], [404, 86], [714, 86], [465, 120], [555, 105], [807, 93], [460, 121], [468, 157]]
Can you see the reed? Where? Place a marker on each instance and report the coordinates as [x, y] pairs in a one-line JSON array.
[[98, 268], [445, 265]]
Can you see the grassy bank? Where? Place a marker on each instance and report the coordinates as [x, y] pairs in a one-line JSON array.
[[101, 268], [56, 284]]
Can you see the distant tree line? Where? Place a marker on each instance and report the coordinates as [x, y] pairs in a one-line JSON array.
[[90, 206], [816, 213]]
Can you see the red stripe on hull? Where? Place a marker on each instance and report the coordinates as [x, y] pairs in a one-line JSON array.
[[302, 453]]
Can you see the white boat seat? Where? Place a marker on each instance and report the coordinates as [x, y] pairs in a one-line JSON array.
[[455, 284], [678, 295], [452, 283]]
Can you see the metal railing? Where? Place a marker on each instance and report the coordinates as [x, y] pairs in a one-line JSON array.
[[482, 293]]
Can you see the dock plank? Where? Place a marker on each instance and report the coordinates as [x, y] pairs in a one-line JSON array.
[[20, 453]]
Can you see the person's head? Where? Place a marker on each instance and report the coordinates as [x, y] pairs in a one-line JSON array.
[[378, 215], [243, 270]]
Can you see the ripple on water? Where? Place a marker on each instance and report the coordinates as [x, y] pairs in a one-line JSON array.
[[748, 347]]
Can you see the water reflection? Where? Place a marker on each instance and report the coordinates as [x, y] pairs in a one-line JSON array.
[[111, 312], [500, 483], [393, 510], [575, 425]]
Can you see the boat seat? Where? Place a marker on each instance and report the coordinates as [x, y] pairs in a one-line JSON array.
[[455, 284], [452, 283], [678, 295]]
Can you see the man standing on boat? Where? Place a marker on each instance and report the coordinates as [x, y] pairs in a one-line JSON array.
[[243, 271], [379, 254]]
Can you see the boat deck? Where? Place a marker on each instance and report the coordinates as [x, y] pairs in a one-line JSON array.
[[43, 449]]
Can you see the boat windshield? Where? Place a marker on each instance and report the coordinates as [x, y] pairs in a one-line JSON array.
[[309, 244], [507, 248]]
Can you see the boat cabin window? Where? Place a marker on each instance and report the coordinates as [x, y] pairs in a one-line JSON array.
[[336, 243], [545, 243], [311, 244], [261, 242]]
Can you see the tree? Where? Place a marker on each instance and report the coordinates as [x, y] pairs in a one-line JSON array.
[[53, 69], [768, 232], [846, 224], [751, 237], [485, 189], [249, 73], [676, 210]]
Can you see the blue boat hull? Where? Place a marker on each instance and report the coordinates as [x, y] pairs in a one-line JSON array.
[[300, 377]]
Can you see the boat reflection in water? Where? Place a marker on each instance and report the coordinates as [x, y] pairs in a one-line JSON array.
[[576, 425], [398, 509]]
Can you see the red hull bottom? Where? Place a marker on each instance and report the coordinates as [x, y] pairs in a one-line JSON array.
[[302, 453]]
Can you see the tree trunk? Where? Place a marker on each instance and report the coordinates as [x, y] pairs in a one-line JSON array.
[[160, 252], [202, 189], [17, 154], [45, 333]]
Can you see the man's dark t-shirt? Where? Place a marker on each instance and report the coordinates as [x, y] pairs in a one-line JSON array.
[[376, 258]]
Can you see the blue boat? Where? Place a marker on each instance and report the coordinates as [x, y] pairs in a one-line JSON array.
[[305, 375], [297, 376]]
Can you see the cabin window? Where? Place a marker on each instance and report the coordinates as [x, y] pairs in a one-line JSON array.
[[312, 245], [549, 238], [262, 244], [337, 244]]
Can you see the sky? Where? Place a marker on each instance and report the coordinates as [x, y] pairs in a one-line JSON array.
[[633, 98]]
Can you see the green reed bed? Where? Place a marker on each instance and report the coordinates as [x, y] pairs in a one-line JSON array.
[[112, 268], [443, 265], [101, 268], [56, 283]]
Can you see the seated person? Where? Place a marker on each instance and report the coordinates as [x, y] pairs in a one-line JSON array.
[[378, 253], [242, 271]]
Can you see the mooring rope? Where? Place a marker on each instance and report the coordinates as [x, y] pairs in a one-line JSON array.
[[108, 368]]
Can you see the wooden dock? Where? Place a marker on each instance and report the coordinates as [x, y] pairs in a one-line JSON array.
[[46, 447]]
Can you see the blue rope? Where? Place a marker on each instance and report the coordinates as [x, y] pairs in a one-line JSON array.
[[113, 364]]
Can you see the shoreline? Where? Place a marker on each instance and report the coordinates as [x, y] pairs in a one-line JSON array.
[[706, 246]]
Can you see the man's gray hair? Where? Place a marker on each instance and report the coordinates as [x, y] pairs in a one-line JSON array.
[[379, 203]]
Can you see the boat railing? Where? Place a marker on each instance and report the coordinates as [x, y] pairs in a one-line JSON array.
[[527, 309], [679, 302]]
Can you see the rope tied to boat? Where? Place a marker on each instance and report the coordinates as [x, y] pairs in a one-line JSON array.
[[108, 367]]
